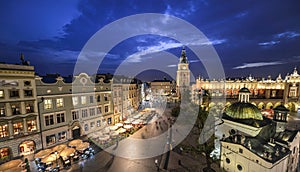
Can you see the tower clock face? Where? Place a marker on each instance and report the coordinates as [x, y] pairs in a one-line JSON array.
[[184, 67]]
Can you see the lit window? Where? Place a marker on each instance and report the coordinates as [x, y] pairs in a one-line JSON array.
[[3, 130], [49, 120], [1, 94], [108, 120], [75, 101], [48, 104], [4, 153], [29, 107], [83, 100], [60, 118], [31, 125], [18, 127], [62, 136], [59, 102], [50, 140], [98, 123], [2, 109]]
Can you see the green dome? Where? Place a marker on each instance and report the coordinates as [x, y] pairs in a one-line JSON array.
[[244, 90], [241, 110], [281, 108]]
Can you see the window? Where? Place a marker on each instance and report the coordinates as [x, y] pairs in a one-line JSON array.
[[92, 124], [91, 99], [105, 97], [98, 98], [15, 108], [18, 127], [48, 104], [293, 92], [49, 120], [84, 113], [228, 160], [59, 102], [240, 150], [1, 93], [29, 107], [2, 109], [27, 83], [108, 120], [92, 112], [3, 130], [62, 136], [4, 153], [106, 109], [98, 123], [239, 167], [86, 127], [50, 140], [14, 93], [60, 117], [28, 93], [75, 115], [75, 101], [99, 110], [31, 125], [83, 100]]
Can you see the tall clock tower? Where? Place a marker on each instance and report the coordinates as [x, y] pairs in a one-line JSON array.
[[183, 73]]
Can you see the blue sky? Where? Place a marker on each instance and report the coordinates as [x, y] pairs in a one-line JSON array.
[[257, 37]]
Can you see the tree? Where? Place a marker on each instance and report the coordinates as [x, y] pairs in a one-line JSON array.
[[175, 111]]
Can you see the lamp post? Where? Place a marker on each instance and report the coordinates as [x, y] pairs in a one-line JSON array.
[[40, 121], [156, 164], [56, 158]]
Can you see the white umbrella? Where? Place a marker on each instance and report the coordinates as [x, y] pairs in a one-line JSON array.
[[119, 124], [103, 137], [10, 164], [67, 152], [121, 130], [106, 130], [114, 133], [113, 127], [59, 148], [43, 153], [83, 146], [128, 121], [127, 126], [75, 142], [135, 122]]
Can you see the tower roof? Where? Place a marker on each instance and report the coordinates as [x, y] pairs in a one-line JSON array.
[[183, 58]]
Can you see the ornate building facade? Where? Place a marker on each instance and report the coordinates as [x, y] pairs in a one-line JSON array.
[[19, 120], [264, 93]]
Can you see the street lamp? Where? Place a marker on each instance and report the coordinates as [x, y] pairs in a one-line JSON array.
[[40, 121], [56, 158], [156, 164]]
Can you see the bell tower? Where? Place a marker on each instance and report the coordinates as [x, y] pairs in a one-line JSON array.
[[183, 73]]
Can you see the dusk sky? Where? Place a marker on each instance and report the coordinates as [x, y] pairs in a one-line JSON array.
[[251, 37]]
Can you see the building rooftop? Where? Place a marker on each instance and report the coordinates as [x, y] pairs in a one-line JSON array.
[[241, 110]]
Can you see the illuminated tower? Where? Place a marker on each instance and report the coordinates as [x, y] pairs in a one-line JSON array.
[[183, 73]]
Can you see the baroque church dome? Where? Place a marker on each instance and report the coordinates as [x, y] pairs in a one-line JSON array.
[[241, 110]]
